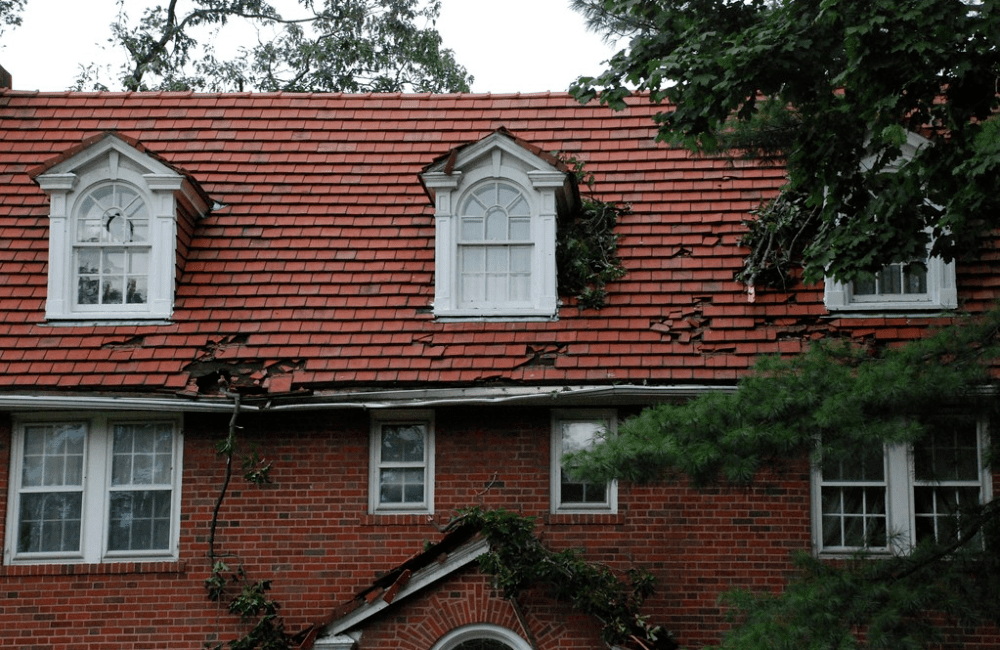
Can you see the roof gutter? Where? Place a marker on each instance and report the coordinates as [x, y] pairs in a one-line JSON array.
[[374, 400]]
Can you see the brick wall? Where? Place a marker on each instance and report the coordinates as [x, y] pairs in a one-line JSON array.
[[310, 533]]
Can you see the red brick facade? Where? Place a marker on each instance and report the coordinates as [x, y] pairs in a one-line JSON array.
[[310, 533]]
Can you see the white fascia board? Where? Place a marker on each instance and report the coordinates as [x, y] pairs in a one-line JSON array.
[[372, 400]]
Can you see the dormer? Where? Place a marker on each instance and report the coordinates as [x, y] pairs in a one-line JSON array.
[[902, 286], [120, 220], [496, 203]]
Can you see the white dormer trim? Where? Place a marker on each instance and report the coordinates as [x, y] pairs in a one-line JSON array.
[[496, 158], [111, 160]]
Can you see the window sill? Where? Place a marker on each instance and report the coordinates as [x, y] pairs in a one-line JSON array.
[[104, 568], [398, 519]]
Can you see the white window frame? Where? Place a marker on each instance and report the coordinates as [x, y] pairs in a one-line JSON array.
[[477, 631], [96, 490], [900, 508], [609, 419], [67, 183], [495, 158], [942, 293], [378, 420]]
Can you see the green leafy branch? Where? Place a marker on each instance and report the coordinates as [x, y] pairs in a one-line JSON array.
[[252, 603], [518, 560], [587, 246]]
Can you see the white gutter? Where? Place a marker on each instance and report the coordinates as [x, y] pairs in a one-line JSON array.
[[388, 399]]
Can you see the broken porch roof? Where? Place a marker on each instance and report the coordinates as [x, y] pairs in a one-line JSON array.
[[317, 271]]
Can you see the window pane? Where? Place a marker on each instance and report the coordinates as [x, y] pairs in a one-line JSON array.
[[53, 455], [472, 228], [949, 453], [403, 443], [49, 522], [915, 278], [507, 195], [401, 486], [520, 229], [890, 281], [867, 466], [854, 516], [496, 225], [143, 454], [139, 520], [864, 286]]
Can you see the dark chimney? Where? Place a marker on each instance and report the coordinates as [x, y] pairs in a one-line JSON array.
[[5, 79]]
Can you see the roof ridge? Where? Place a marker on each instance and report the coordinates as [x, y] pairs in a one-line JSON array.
[[191, 93]]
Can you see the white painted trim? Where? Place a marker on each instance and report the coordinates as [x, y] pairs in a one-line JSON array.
[[495, 158], [942, 294]]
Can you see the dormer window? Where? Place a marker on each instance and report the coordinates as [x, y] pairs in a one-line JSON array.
[[926, 284], [496, 203], [113, 232]]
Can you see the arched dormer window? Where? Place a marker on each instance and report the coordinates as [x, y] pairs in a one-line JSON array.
[[496, 203], [113, 232]]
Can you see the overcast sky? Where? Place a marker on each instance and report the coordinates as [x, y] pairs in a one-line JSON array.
[[508, 45]]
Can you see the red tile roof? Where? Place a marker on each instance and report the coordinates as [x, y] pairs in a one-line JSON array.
[[318, 272]]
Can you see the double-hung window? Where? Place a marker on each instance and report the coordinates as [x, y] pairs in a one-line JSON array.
[[94, 488], [401, 478], [576, 430], [890, 498]]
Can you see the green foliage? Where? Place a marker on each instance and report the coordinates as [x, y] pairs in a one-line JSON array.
[[254, 607], [10, 13], [852, 78], [337, 46], [518, 560], [900, 602], [834, 399], [587, 247]]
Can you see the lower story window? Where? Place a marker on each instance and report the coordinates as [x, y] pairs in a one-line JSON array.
[[402, 462], [576, 431], [94, 488], [888, 498]]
